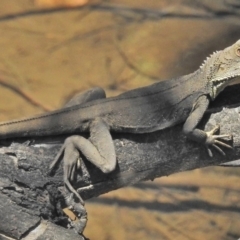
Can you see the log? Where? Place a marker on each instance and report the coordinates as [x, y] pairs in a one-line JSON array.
[[30, 199]]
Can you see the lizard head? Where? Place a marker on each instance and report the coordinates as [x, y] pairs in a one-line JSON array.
[[222, 69]]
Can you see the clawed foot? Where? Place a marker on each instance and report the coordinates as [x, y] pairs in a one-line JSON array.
[[212, 140]]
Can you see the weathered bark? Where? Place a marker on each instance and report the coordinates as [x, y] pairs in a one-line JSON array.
[[29, 193]]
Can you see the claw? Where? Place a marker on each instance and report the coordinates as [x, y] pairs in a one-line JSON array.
[[214, 130], [212, 140], [209, 152], [223, 144], [70, 187], [219, 149], [72, 173], [57, 159]]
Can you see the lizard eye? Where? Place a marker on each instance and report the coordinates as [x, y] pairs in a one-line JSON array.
[[238, 52]]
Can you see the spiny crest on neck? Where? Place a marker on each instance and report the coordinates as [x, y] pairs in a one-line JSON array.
[[210, 60]]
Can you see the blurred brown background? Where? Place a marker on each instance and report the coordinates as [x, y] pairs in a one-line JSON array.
[[53, 49]]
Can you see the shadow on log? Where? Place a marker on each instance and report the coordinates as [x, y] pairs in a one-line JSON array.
[[28, 194]]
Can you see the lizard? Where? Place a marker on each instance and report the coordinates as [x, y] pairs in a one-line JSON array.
[[147, 109]]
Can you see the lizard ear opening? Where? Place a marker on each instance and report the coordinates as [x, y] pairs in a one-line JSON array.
[[238, 52]]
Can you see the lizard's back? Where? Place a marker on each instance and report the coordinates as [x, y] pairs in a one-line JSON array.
[[154, 107]]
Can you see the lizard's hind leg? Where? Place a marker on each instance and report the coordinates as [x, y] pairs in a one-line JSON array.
[[99, 150], [71, 158]]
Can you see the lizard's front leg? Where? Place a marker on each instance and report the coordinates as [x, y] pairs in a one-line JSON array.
[[207, 138]]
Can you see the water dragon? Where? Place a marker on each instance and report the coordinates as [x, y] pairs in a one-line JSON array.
[[143, 110]]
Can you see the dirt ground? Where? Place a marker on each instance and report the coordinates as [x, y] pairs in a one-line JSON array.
[[48, 55]]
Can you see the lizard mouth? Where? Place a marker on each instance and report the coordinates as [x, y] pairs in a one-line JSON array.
[[220, 83], [236, 80]]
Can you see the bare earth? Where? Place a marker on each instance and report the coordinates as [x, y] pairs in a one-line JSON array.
[[47, 56]]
